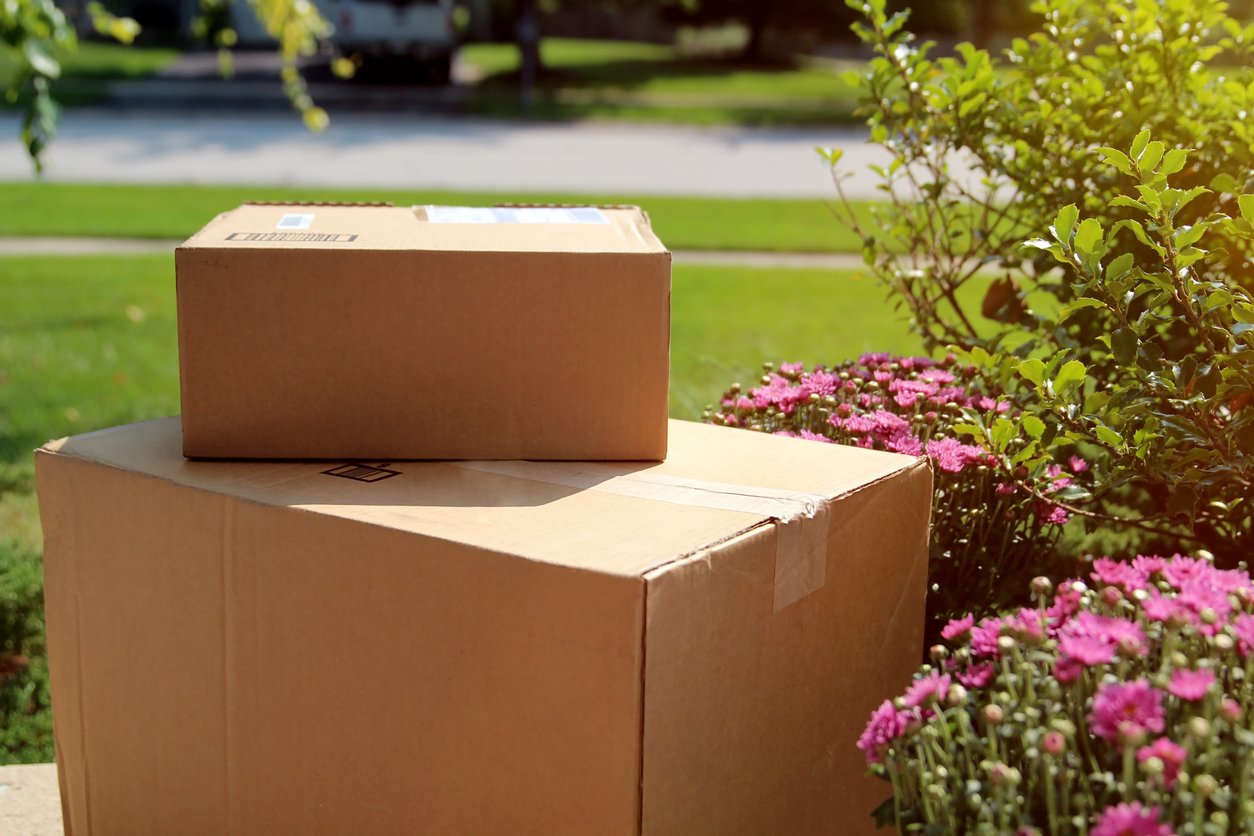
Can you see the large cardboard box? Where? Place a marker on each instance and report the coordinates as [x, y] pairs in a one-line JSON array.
[[479, 647], [325, 332]]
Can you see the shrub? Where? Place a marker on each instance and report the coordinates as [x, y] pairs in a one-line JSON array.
[[1100, 710], [1124, 326], [25, 713], [994, 520]]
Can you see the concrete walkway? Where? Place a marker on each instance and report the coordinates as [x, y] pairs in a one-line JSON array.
[[424, 152], [30, 801], [139, 246]]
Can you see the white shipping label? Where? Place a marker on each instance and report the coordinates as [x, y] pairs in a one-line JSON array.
[[295, 221], [506, 215]]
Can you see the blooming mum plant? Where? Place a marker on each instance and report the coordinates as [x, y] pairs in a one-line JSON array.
[[995, 514], [1116, 707]]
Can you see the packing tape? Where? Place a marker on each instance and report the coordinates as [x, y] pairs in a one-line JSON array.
[[801, 519]]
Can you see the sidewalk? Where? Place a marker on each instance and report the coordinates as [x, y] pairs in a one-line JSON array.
[[30, 801], [138, 246]]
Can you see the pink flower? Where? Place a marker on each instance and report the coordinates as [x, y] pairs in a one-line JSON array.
[[927, 689], [1093, 639], [1066, 604], [1162, 609], [952, 456], [885, 726], [1149, 565], [1130, 820], [1117, 573], [1050, 513], [1078, 464], [1191, 686], [1171, 755], [1086, 650], [984, 637], [977, 675], [1067, 669], [1124, 710], [1243, 626], [809, 436], [958, 627]]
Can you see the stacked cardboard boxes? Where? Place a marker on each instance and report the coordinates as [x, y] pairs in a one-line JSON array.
[[381, 645]]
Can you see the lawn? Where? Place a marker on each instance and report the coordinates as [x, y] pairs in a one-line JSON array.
[[87, 70], [649, 82], [175, 212]]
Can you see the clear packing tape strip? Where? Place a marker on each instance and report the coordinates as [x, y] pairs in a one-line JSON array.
[[801, 519]]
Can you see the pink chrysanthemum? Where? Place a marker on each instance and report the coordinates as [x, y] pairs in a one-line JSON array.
[[1087, 650], [1117, 573], [1191, 686], [885, 726], [977, 675], [1093, 639], [927, 689], [1124, 709], [1243, 626], [1169, 753], [1130, 820], [958, 627]]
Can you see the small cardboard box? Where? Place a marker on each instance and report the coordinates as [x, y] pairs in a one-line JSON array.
[[477, 647], [330, 332]]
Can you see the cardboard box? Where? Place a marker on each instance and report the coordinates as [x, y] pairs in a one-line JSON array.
[[477, 647], [325, 332]]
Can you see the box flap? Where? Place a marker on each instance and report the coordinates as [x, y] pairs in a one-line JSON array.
[[717, 483], [623, 230]]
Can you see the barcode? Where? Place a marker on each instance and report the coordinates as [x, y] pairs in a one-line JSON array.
[[361, 472], [308, 237]]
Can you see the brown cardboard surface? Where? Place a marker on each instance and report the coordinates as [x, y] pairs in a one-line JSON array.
[[372, 333], [253, 647]]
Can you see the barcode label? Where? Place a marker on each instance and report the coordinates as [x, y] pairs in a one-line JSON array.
[[506, 215], [295, 221], [362, 472]]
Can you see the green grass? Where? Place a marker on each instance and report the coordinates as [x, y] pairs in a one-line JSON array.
[[650, 82], [683, 223], [87, 70]]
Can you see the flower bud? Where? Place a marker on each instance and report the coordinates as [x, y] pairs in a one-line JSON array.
[[1199, 727], [1205, 785], [1042, 585], [1223, 642], [1129, 647], [1231, 710], [1006, 644], [930, 417], [1053, 743], [735, 389], [1111, 596], [1208, 615], [1079, 587], [1152, 766], [993, 714], [938, 653], [957, 695], [1203, 554], [1131, 734]]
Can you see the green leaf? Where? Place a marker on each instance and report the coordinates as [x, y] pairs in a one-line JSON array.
[[1032, 370], [1124, 344], [1109, 436], [1119, 267], [1173, 161], [1138, 144], [1246, 202], [1116, 158], [1065, 312], [1064, 223], [40, 61], [1149, 158], [968, 429], [1069, 376], [1088, 236], [1033, 426]]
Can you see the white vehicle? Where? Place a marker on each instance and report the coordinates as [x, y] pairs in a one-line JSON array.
[[422, 30]]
